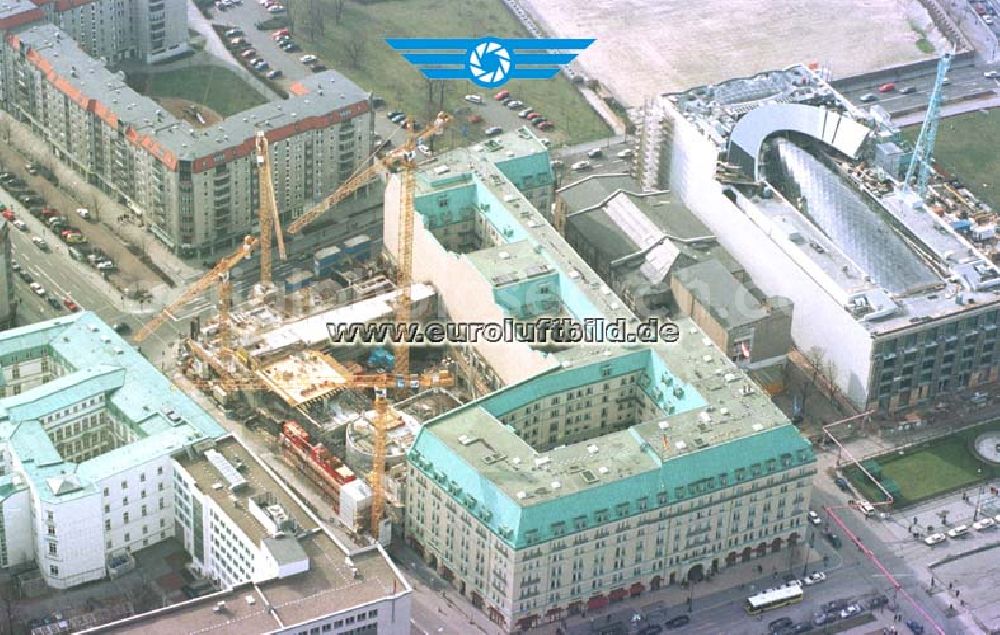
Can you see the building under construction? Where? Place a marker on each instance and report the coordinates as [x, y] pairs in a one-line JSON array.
[[807, 192]]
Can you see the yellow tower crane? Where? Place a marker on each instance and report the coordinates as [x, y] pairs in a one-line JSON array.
[[267, 212], [400, 160], [218, 274]]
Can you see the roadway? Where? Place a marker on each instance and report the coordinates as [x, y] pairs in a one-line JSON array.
[[965, 80]]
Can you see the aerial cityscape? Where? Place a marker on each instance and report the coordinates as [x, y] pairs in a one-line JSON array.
[[419, 317]]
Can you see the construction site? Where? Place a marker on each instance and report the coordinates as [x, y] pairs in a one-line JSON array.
[[267, 358]]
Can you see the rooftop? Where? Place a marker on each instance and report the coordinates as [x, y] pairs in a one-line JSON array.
[[326, 588], [722, 294], [89, 82], [96, 361], [258, 482]]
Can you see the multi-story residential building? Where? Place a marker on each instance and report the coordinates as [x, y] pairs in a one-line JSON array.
[[772, 164], [121, 30], [198, 188]]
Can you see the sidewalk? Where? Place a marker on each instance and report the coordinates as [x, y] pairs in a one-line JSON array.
[[75, 186], [729, 585]]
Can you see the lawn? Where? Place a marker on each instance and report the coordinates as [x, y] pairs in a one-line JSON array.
[[356, 47], [216, 87], [966, 146], [941, 466]]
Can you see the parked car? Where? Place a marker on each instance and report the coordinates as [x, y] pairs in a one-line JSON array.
[[677, 622], [275, 74], [276, 9], [474, 99], [627, 153], [71, 305], [54, 303], [833, 539], [888, 87], [502, 95], [234, 32], [842, 483], [41, 244], [546, 125], [318, 68], [524, 113], [280, 32], [533, 116], [308, 59], [915, 627], [956, 532], [37, 288], [934, 539], [20, 224], [779, 623], [984, 524], [515, 104], [122, 328], [494, 131], [580, 166], [247, 54], [851, 610], [595, 153], [814, 518], [8, 214], [991, 74], [878, 601]]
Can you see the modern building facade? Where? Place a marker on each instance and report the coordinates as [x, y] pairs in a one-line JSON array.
[[197, 188], [772, 165]]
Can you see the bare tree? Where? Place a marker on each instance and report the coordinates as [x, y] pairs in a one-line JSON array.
[[355, 51], [338, 10], [317, 17], [5, 129]]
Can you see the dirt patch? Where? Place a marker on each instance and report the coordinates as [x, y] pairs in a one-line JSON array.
[[188, 111], [673, 45]]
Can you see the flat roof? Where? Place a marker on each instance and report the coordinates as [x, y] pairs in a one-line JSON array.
[[721, 294], [259, 481], [90, 83], [327, 587]]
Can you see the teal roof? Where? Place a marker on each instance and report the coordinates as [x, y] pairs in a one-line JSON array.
[[93, 360], [519, 493]]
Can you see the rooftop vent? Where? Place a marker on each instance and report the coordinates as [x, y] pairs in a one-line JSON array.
[[592, 449], [602, 470]]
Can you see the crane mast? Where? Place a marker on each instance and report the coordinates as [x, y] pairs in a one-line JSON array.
[[924, 148], [267, 212]]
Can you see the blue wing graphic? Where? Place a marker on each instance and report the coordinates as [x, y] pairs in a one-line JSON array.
[[489, 61]]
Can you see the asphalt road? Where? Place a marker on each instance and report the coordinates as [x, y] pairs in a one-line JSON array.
[[965, 79], [245, 17]]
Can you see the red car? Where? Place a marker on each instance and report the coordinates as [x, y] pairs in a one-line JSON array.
[[72, 306], [887, 88], [8, 214], [49, 212], [502, 95], [533, 116], [279, 33], [546, 125]]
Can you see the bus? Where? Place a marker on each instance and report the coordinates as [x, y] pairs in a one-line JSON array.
[[775, 598]]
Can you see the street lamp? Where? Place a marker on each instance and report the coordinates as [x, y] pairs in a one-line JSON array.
[[979, 498]]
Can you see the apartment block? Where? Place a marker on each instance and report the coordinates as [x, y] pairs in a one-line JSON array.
[[197, 188]]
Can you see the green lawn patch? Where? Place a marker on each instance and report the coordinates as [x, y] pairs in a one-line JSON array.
[[932, 469], [356, 47], [216, 87], [966, 146]]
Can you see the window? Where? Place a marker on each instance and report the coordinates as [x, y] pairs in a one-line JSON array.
[[53, 549], [53, 570]]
